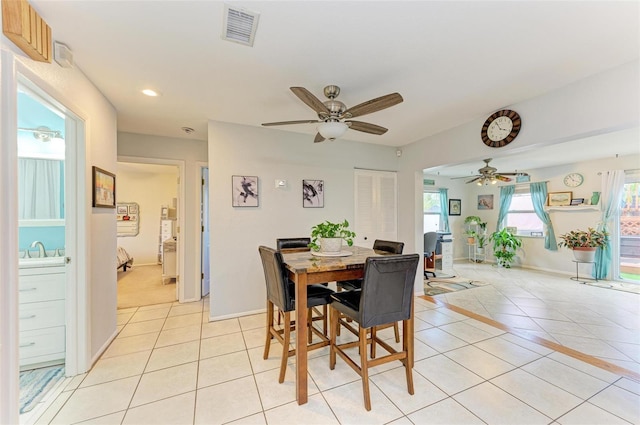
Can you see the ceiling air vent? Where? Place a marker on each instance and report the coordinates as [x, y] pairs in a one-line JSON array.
[[239, 25]]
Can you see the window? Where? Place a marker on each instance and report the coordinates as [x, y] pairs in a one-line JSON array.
[[431, 208], [522, 216]]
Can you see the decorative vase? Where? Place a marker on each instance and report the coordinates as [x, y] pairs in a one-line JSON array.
[[595, 198], [584, 254], [330, 245]]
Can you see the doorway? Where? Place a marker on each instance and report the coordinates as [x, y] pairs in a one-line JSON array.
[[628, 268], [147, 221]]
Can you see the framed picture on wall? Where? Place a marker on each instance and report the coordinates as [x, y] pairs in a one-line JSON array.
[[455, 206], [244, 191], [313, 193], [485, 202], [104, 188], [559, 199]]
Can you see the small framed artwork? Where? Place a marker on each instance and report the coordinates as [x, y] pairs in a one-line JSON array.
[[455, 206], [537, 234], [244, 191], [559, 199], [104, 188], [133, 208], [313, 193], [122, 209], [577, 201], [524, 178], [485, 202]]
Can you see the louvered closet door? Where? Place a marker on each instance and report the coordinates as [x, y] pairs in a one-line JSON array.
[[376, 207]]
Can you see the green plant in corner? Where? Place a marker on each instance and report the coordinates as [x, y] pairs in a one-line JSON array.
[[328, 229], [505, 245]]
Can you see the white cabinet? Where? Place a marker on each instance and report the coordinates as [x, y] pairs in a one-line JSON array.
[[447, 257], [42, 316]]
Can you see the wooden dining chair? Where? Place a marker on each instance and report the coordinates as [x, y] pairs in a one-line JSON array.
[[386, 297], [279, 294], [391, 247]]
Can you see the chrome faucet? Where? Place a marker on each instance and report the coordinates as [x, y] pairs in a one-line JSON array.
[[41, 251]]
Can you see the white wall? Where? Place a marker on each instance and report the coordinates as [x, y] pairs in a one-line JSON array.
[[602, 103], [97, 230], [190, 152], [151, 190], [237, 279]]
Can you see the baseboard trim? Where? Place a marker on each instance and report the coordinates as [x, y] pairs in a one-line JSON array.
[[235, 315]]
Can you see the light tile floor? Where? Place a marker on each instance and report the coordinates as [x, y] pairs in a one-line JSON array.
[[169, 365]]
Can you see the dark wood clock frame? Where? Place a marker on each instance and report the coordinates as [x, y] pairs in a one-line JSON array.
[[517, 124]]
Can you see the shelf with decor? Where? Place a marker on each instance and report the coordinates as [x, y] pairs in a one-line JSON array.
[[573, 208]]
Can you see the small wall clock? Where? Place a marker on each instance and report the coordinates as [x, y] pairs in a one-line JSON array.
[[501, 128], [573, 179]]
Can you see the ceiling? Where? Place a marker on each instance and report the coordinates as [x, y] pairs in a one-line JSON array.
[[452, 61]]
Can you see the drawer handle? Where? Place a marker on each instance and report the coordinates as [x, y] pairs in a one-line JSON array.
[[27, 317], [28, 289], [29, 344]]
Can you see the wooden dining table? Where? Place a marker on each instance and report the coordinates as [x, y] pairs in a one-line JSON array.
[[305, 268]]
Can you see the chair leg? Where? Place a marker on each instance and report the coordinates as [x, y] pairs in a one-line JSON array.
[[285, 346], [334, 325], [309, 323], [407, 347], [396, 331], [364, 369], [267, 344], [325, 312], [373, 342]]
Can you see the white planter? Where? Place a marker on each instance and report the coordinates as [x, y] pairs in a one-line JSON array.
[[331, 245], [585, 255]]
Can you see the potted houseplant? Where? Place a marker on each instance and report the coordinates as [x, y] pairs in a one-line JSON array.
[[473, 219], [327, 237], [471, 236], [505, 245], [584, 243], [482, 240]]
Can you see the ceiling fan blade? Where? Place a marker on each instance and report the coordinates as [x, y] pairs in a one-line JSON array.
[[472, 180], [310, 100], [318, 138], [463, 177], [502, 178], [366, 127], [374, 105], [268, 124]]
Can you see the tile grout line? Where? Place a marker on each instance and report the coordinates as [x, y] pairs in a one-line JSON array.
[[610, 367]]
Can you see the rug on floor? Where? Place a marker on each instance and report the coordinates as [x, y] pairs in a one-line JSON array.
[[437, 286], [35, 383]]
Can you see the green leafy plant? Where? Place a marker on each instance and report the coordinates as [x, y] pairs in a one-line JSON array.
[[473, 219], [328, 229], [482, 240], [589, 238], [505, 245]]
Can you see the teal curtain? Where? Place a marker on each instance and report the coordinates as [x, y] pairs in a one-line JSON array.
[[612, 187], [506, 193], [539, 198], [444, 208]]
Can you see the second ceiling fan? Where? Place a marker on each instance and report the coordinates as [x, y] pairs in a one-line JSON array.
[[334, 118], [489, 174]]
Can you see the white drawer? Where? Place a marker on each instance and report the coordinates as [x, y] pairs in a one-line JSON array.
[[42, 345], [44, 287], [42, 315]]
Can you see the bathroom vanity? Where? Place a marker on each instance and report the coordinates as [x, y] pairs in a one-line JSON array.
[[42, 311]]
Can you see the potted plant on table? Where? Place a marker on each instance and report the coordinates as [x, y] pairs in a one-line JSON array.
[[584, 243], [327, 237], [505, 245]]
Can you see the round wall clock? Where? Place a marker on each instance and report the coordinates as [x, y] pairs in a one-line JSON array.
[[501, 128], [573, 179]]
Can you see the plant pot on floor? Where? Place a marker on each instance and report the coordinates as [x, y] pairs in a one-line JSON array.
[[330, 245], [584, 254]]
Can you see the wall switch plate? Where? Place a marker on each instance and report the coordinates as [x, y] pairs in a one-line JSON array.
[[281, 184]]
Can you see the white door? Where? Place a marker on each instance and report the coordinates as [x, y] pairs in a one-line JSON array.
[[376, 206]]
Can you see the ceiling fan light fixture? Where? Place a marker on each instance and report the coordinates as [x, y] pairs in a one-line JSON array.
[[332, 130]]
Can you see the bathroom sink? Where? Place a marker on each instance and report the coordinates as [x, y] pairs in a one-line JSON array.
[[26, 263]]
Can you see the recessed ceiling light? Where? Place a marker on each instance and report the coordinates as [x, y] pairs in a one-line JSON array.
[[150, 92]]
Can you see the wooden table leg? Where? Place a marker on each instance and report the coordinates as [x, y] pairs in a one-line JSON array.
[[301, 338]]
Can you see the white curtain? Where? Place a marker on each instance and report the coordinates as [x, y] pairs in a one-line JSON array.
[[39, 189], [612, 187]]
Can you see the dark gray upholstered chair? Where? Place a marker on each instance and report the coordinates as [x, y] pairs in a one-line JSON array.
[[391, 247], [386, 297], [285, 245], [279, 294], [430, 241], [293, 244]]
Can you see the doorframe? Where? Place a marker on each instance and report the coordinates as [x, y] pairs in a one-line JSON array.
[[200, 166], [180, 282]]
